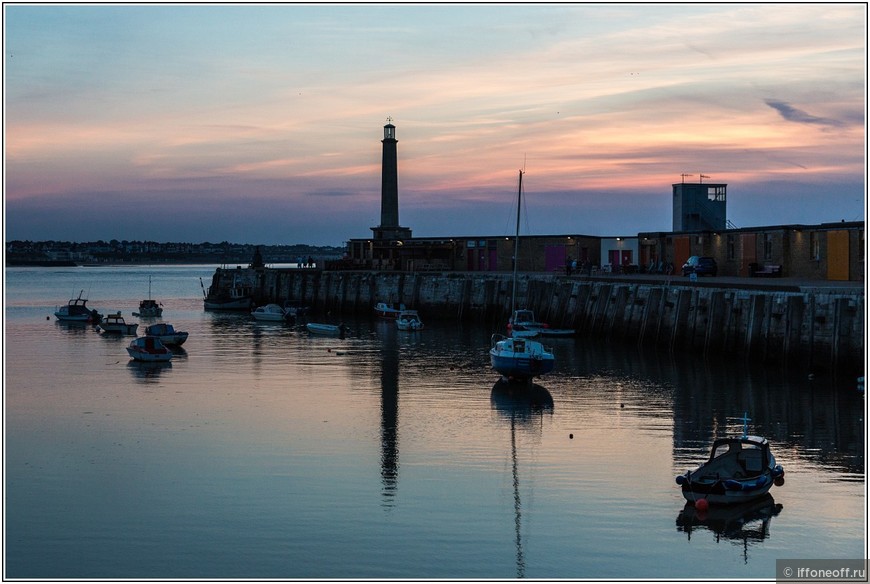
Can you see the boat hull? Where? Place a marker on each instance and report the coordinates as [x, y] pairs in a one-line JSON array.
[[149, 313], [119, 329], [230, 304], [721, 494], [64, 317], [149, 357], [324, 329]]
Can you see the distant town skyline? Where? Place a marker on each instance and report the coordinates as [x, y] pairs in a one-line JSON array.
[[262, 123]]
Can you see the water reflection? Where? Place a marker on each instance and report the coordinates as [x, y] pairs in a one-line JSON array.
[[389, 349], [144, 372], [746, 524], [521, 403]]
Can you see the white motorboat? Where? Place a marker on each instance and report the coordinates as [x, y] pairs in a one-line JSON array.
[[166, 333], [270, 313], [523, 324], [77, 310], [148, 349], [115, 323], [385, 310], [409, 320], [519, 358], [326, 329]]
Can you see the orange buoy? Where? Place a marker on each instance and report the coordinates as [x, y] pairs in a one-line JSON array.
[[702, 505]]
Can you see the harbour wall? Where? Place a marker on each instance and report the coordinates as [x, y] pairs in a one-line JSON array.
[[814, 326]]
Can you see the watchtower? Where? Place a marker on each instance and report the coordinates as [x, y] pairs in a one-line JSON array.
[[699, 206]]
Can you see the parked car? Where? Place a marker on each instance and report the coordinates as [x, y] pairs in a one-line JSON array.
[[701, 265]]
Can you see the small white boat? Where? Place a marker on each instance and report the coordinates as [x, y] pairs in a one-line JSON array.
[[166, 333], [270, 313], [384, 310], [740, 469], [515, 357], [149, 308], [77, 310], [148, 349], [523, 324], [409, 320], [520, 359], [115, 323], [326, 329]]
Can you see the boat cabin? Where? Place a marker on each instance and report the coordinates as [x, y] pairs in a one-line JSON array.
[[750, 453]]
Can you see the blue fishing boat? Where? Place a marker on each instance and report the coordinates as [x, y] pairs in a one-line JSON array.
[[740, 469]]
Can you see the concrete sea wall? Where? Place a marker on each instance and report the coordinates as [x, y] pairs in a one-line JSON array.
[[815, 326]]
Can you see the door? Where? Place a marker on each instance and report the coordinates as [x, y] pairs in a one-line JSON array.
[[838, 255]]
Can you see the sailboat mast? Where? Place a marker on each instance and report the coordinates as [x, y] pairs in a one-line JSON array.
[[517, 246]]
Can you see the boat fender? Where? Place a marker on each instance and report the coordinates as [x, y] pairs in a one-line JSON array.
[[681, 479], [778, 471]]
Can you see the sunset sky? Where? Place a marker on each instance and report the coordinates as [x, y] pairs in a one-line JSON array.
[[262, 124]]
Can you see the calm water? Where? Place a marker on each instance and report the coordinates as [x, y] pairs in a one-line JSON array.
[[261, 451]]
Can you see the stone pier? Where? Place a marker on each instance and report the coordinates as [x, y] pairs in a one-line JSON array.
[[818, 325]]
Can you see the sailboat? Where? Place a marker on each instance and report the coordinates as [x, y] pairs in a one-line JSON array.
[[149, 308], [520, 359]]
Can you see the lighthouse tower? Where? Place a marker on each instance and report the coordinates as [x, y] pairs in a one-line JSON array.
[[389, 228]]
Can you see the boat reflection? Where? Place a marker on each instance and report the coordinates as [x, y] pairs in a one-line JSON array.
[[519, 400], [746, 524], [521, 403], [148, 372]]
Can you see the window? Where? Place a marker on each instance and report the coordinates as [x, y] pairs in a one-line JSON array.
[[768, 246], [470, 243], [814, 246], [716, 194], [730, 248]]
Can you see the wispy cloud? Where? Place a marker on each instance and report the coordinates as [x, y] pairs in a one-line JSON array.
[[793, 114]]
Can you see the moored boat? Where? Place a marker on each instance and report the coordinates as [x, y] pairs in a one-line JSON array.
[[326, 329], [77, 310], [115, 323], [523, 324], [740, 469], [409, 320], [149, 308], [166, 333], [385, 310], [238, 295], [515, 357], [148, 349], [520, 359], [270, 313]]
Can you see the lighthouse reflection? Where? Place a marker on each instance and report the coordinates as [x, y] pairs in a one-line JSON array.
[[389, 414], [524, 405]]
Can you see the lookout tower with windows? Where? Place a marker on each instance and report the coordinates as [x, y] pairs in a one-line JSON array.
[[699, 206]]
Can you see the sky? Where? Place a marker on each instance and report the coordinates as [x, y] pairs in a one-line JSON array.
[[263, 123]]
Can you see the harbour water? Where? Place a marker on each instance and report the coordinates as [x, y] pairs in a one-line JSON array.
[[262, 451]]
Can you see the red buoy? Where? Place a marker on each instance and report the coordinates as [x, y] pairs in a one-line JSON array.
[[702, 505]]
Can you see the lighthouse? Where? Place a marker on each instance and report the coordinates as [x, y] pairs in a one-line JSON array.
[[389, 228]]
